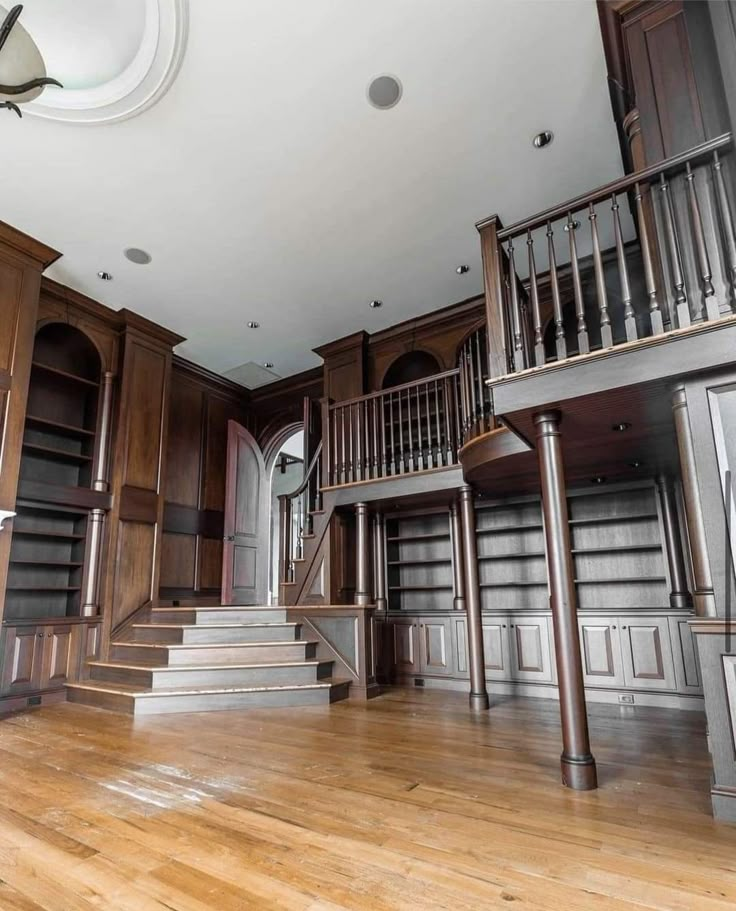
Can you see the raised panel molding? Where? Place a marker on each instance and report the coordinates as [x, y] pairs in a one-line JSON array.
[[729, 672], [647, 653], [601, 652], [146, 391], [495, 646], [435, 650], [405, 646]]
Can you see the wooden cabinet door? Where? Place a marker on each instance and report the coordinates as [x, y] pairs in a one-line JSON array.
[[647, 653], [496, 647], [531, 654], [406, 658], [685, 654], [58, 656], [22, 659], [435, 653], [600, 647]]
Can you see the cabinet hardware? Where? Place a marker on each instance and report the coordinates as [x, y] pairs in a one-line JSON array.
[[614, 626], [49, 635], [40, 635]]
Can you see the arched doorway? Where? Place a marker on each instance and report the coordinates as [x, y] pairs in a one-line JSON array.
[[286, 468]]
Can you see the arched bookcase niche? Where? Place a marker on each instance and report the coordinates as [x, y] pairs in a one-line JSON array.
[[410, 367], [51, 549]]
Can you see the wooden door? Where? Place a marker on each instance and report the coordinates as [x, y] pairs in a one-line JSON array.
[[531, 654], [600, 647], [647, 653], [245, 546], [59, 651], [406, 659], [496, 647]]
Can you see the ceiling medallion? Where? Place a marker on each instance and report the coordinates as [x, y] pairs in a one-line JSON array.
[[143, 82], [22, 70]]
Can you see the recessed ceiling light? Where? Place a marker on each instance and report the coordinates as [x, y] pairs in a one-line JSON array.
[[104, 276], [543, 139], [599, 479], [385, 92], [462, 270], [374, 305], [252, 324], [268, 364], [137, 256], [621, 426]]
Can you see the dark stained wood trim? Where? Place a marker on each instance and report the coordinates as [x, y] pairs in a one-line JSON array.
[[187, 520], [223, 385], [148, 329], [27, 246], [82, 497], [137, 505]]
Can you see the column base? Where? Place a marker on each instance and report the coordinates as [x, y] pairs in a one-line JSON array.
[[381, 605], [479, 702], [705, 604], [458, 603], [681, 600], [362, 599], [90, 610], [579, 774]]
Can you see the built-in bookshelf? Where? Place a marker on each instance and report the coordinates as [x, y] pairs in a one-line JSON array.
[[419, 562], [617, 550], [48, 547]]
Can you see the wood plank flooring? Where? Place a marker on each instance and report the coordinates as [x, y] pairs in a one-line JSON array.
[[407, 802]]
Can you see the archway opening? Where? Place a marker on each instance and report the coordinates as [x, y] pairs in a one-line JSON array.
[[287, 472], [410, 367]]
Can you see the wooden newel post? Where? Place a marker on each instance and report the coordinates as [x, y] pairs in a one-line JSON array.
[[284, 538], [362, 561], [476, 656], [577, 763], [496, 316]]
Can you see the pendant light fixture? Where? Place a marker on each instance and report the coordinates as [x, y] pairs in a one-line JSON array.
[[22, 70]]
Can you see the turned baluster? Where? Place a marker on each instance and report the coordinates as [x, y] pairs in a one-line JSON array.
[[285, 538], [479, 379], [560, 343], [471, 382], [318, 484], [343, 448], [709, 309], [623, 274], [458, 415], [402, 461], [655, 314], [428, 428], [724, 210], [600, 281], [420, 440], [673, 247], [384, 454], [394, 462], [515, 312], [437, 421], [409, 430], [582, 328], [449, 448], [534, 294]]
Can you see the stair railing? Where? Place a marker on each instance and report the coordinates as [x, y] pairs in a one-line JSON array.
[[475, 396], [685, 263], [296, 511], [405, 429]]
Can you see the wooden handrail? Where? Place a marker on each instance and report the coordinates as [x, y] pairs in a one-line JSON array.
[[307, 475], [615, 186], [392, 389]]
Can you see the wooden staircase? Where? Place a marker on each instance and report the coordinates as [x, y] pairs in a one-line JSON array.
[[198, 659]]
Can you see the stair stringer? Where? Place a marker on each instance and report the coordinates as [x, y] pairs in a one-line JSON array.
[[312, 574]]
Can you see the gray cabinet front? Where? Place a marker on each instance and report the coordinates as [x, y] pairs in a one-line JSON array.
[[530, 650], [600, 648], [435, 649], [406, 653], [647, 653]]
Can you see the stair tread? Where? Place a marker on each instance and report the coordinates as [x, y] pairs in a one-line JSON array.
[[122, 665], [214, 625], [248, 644], [127, 689]]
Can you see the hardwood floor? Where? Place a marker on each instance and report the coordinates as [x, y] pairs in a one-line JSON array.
[[406, 802]]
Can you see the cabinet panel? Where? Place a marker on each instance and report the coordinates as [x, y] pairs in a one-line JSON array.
[[22, 659], [405, 647], [647, 653], [531, 655], [601, 652], [496, 648], [435, 652], [687, 667], [57, 656]]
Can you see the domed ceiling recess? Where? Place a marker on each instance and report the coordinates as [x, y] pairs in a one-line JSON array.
[[115, 58]]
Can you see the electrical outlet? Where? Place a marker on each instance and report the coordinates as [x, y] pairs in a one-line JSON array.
[[625, 699], [34, 700], [418, 681]]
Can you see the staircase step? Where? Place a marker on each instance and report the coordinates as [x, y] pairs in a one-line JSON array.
[[201, 616], [178, 655], [157, 677], [137, 700], [175, 633]]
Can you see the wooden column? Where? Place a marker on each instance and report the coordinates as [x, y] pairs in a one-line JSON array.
[[680, 597], [577, 763], [362, 555], [476, 656], [379, 558], [458, 569], [704, 600]]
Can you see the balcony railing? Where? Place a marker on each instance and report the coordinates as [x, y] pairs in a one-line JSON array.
[[414, 427], [670, 265]]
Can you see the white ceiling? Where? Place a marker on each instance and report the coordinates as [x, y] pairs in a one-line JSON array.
[[267, 188]]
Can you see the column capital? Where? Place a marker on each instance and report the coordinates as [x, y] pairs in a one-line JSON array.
[[550, 416]]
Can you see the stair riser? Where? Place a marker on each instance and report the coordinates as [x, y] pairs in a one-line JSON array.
[[202, 617], [214, 677], [233, 654], [195, 635]]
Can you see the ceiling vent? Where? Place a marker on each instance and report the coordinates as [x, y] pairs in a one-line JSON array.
[[384, 92]]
